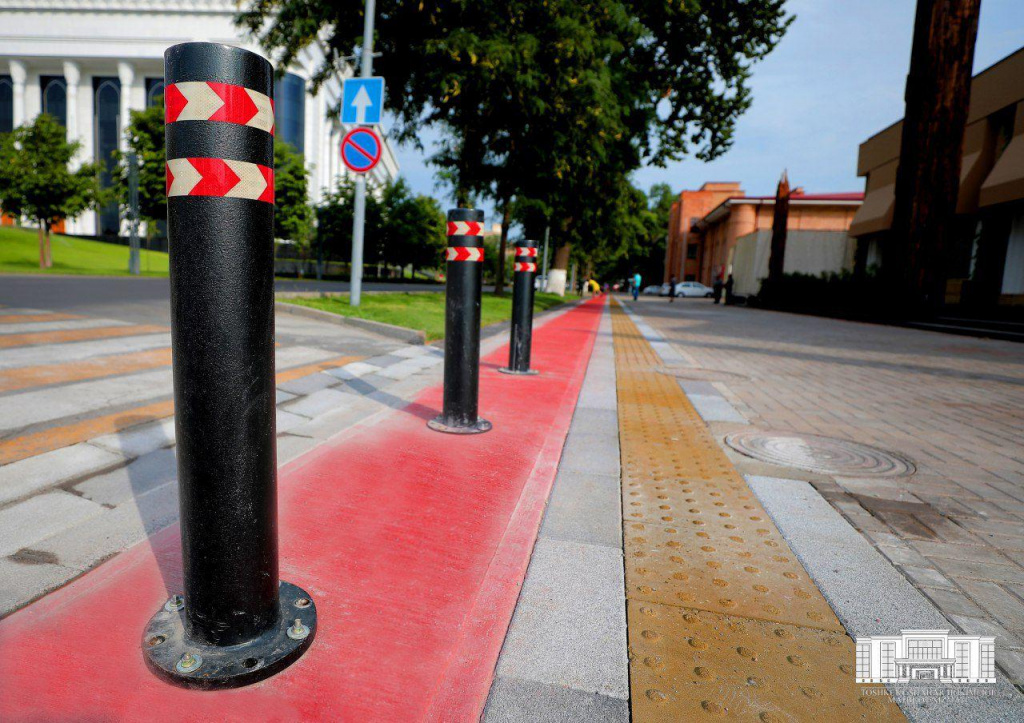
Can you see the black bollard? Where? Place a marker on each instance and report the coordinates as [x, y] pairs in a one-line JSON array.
[[462, 325], [236, 622], [521, 334]]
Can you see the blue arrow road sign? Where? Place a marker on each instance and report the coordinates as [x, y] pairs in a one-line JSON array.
[[362, 100]]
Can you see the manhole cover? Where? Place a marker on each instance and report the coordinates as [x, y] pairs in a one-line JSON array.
[[821, 454]]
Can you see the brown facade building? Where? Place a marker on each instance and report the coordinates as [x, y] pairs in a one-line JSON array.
[[719, 230], [985, 267]]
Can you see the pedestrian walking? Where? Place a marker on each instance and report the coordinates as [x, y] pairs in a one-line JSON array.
[[636, 285], [728, 290], [716, 289], [672, 289]]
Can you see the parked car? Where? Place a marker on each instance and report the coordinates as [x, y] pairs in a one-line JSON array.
[[694, 288], [664, 289], [652, 290]]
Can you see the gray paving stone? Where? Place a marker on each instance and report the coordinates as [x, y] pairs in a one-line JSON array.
[[521, 701], [21, 583], [136, 478], [980, 571], [318, 403], [569, 626], [384, 360], [903, 555], [50, 469], [586, 508], [597, 399], [38, 517], [984, 626], [139, 440], [411, 352], [596, 421], [309, 384], [952, 602], [1006, 607], [926, 576], [401, 370], [704, 388], [868, 595], [974, 553], [716, 409], [287, 420], [285, 396], [83, 545], [590, 453]]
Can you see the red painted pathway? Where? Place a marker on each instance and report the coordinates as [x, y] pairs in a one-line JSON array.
[[414, 545]]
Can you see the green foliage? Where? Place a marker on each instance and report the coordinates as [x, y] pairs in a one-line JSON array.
[[35, 179], [293, 217], [400, 229], [549, 104], [145, 138], [19, 254]]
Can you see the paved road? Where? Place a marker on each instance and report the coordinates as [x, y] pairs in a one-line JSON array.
[[953, 405], [86, 417], [141, 301]]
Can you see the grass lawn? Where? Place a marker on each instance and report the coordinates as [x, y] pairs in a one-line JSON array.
[[423, 310], [19, 254]]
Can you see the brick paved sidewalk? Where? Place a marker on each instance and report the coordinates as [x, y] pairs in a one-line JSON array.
[[953, 405]]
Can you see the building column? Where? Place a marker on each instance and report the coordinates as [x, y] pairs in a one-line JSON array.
[[18, 75], [126, 73], [72, 77]]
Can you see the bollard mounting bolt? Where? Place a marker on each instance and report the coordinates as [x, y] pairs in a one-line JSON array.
[[174, 604], [189, 662], [298, 631]]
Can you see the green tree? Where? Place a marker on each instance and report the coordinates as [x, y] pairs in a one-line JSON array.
[[549, 104], [35, 179], [145, 138], [293, 216]]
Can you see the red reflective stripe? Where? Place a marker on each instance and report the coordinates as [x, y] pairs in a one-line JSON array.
[[174, 103], [216, 178], [268, 192], [524, 266], [526, 251], [464, 253], [238, 106], [219, 178], [465, 228]]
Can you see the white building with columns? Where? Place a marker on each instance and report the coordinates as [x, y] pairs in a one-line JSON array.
[[90, 62]]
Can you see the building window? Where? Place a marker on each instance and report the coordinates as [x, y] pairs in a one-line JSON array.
[[290, 110], [988, 661], [55, 97], [924, 649], [962, 657], [863, 660], [107, 125], [154, 91], [888, 660], [6, 104], [691, 251]]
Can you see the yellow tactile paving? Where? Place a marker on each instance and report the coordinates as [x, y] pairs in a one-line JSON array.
[[723, 619]]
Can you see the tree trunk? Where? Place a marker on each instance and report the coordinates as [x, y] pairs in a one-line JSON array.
[[780, 226], [42, 246], [506, 215], [557, 274], [928, 176], [49, 252]]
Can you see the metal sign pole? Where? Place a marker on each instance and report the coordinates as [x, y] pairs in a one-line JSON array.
[[547, 233], [359, 216]]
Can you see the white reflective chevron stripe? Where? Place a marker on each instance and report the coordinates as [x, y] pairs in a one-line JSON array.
[[202, 101], [251, 182], [264, 119], [185, 176]]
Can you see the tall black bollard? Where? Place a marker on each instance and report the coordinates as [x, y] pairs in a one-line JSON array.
[[521, 334], [236, 623], [462, 325]]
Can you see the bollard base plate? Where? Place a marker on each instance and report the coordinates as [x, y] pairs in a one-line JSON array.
[[232, 666], [438, 425], [528, 372]]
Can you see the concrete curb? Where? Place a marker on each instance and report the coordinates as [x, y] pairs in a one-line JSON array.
[[409, 336]]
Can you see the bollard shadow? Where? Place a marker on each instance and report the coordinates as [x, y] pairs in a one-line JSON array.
[[152, 483], [368, 390]]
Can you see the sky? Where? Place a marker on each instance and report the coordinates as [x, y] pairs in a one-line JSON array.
[[836, 78]]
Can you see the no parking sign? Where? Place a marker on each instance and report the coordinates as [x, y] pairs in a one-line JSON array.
[[360, 150]]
